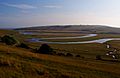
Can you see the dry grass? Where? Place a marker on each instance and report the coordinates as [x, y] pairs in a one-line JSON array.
[[21, 63]]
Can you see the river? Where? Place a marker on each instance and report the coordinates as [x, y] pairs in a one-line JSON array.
[[43, 40]]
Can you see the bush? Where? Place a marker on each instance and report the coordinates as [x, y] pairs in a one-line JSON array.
[[61, 54], [45, 49], [8, 40], [98, 57], [77, 56], [53, 53], [69, 54], [23, 45]]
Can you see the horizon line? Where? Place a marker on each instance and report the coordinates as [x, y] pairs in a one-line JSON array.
[[114, 26]]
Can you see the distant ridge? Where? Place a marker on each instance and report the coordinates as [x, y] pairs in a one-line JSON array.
[[77, 28]]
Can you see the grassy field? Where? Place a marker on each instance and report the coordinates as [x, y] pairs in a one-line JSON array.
[[23, 63]]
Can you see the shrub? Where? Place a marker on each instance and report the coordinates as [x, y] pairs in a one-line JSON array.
[[77, 56], [54, 53], [61, 54], [45, 49], [98, 57], [23, 45], [40, 72], [8, 40], [82, 57], [69, 54]]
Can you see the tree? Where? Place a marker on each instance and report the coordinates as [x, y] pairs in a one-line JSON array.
[[8, 40], [45, 49]]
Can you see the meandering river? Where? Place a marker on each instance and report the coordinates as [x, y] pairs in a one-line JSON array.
[[43, 40], [78, 42]]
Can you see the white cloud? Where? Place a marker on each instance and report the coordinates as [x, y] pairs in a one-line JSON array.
[[20, 6], [52, 6]]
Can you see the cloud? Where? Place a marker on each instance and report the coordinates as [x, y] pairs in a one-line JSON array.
[[20, 6], [52, 6]]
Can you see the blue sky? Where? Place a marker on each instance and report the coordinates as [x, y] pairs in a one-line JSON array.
[[19, 13]]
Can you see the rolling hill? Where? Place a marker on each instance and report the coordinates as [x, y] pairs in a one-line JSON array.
[[76, 28]]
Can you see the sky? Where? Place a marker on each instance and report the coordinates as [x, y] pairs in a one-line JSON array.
[[23, 13]]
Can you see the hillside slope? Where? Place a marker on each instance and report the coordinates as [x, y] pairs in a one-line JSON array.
[[21, 63]]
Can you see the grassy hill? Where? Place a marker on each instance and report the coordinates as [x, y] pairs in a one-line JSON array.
[[21, 63], [16, 62]]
